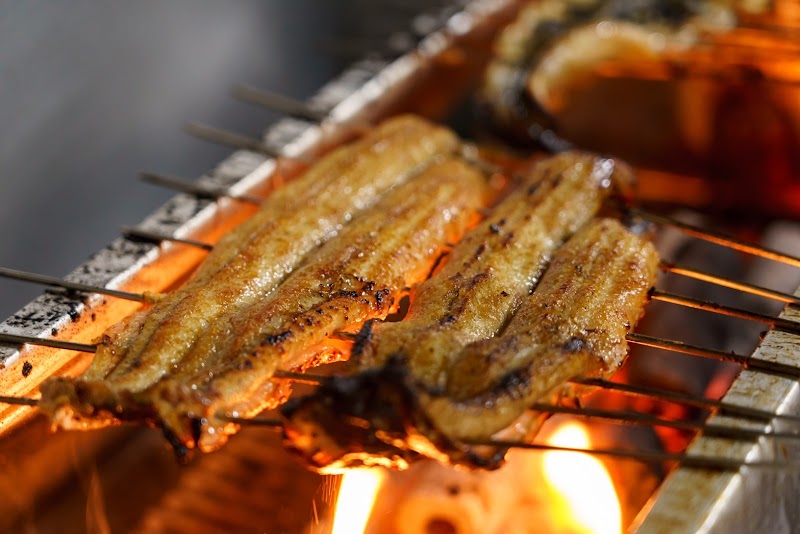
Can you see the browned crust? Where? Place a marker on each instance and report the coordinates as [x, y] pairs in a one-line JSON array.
[[423, 388], [354, 277], [574, 324], [253, 259], [495, 266]]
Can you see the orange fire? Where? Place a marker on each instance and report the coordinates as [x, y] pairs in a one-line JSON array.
[[578, 491], [357, 493], [585, 499]]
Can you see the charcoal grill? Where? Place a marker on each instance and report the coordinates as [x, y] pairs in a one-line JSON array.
[[425, 80]]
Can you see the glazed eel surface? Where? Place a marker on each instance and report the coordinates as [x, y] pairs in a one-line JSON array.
[[467, 362]]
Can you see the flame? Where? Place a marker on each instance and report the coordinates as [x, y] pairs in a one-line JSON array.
[[357, 493], [588, 502]]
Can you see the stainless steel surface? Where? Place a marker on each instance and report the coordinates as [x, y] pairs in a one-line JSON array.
[[753, 500]]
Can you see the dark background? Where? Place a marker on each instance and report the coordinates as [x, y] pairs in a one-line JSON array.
[[93, 92]]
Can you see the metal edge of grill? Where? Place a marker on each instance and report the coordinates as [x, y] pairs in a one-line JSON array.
[[692, 500]]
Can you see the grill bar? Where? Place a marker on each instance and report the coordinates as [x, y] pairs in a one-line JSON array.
[[155, 237], [691, 400], [718, 238], [277, 102], [731, 284], [191, 188], [65, 284], [762, 366], [220, 136], [783, 325]]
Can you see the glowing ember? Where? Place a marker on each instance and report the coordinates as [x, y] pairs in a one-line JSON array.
[[357, 493], [587, 502]]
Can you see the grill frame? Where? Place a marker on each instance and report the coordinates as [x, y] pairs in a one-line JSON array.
[[750, 500]]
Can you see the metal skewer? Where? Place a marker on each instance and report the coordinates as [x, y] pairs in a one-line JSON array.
[[721, 407], [784, 325], [191, 188], [304, 378], [277, 102], [724, 282], [623, 417], [154, 237], [670, 396], [64, 284], [19, 401], [228, 138], [763, 366], [719, 239], [692, 461], [686, 460], [28, 401], [277, 424], [619, 417], [17, 339], [643, 419]]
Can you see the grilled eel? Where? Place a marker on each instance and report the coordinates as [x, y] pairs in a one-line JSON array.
[[354, 277], [574, 324], [351, 278], [554, 46], [249, 262], [404, 363], [494, 267], [357, 276]]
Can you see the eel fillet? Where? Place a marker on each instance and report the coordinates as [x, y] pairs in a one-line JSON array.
[[495, 266], [254, 258], [250, 262], [412, 394], [358, 276], [574, 324]]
